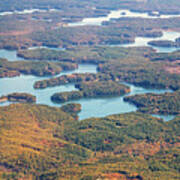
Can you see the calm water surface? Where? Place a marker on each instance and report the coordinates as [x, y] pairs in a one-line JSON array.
[[95, 107], [143, 41], [100, 107], [10, 55], [24, 83]]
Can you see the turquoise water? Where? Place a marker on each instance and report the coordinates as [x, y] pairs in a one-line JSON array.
[[10, 55], [95, 107], [24, 83], [100, 107], [143, 41]]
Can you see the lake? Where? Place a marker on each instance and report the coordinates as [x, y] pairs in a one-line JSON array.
[[94, 107]]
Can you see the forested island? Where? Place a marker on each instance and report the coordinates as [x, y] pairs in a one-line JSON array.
[[18, 97], [92, 89], [164, 43]]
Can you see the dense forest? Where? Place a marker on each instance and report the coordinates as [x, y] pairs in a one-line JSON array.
[[41, 142], [72, 109], [37, 68], [168, 103]]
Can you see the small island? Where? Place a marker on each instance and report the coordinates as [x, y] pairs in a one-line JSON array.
[[66, 96], [18, 97], [91, 90], [65, 79], [164, 43]]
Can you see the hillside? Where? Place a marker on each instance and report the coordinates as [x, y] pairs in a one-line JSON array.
[[41, 142]]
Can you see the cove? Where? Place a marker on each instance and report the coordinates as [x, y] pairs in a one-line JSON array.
[[11, 55], [143, 41], [24, 83], [101, 107]]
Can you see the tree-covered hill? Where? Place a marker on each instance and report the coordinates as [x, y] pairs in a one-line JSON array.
[[41, 142]]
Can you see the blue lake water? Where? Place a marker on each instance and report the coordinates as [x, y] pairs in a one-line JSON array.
[[24, 83], [143, 41], [167, 35], [95, 107], [100, 107], [10, 55]]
